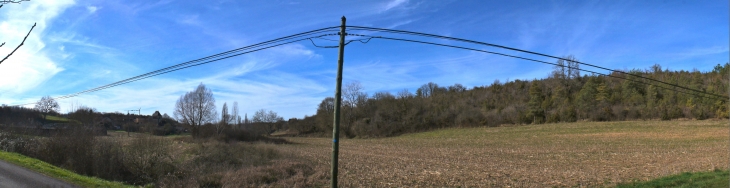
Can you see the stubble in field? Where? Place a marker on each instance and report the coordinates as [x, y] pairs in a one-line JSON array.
[[567, 154]]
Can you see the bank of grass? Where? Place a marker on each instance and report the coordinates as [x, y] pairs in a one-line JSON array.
[[717, 178], [56, 172], [56, 119]]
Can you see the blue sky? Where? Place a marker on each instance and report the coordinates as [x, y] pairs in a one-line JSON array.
[[80, 45]]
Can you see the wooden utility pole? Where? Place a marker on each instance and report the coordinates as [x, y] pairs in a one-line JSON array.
[[338, 100]]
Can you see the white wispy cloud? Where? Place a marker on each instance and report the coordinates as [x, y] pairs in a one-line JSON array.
[[400, 23], [393, 4], [253, 88], [74, 39], [295, 50], [147, 5], [189, 20], [92, 9], [703, 51], [255, 83], [30, 65]]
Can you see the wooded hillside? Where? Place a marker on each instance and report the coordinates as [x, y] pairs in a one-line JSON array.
[[564, 96]]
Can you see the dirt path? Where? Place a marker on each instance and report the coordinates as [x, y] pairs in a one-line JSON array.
[[15, 176]]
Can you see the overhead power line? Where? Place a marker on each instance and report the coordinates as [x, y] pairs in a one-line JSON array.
[[364, 41], [310, 35], [520, 50], [539, 61], [216, 57]]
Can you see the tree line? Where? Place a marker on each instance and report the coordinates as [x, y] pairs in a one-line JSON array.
[[197, 110], [564, 96]]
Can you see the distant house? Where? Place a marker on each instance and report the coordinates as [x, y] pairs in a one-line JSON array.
[[157, 115]]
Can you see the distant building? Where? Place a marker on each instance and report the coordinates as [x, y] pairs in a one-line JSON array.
[[156, 115]]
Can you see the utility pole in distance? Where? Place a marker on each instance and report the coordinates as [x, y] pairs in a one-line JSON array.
[[338, 100]]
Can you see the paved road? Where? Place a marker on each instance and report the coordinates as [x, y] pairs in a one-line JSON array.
[[15, 176]]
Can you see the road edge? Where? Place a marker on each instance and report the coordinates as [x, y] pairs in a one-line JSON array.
[[55, 172]]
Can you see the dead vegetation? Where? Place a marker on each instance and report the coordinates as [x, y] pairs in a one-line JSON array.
[[584, 154], [169, 161]]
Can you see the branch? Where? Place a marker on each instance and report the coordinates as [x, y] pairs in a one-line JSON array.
[[10, 1], [21, 44]]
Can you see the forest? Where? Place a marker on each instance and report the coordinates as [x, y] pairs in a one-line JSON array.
[[564, 96]]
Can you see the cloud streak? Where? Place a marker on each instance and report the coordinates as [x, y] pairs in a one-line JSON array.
[[253, 88], [393, 4], [30, 65], [93, 45]]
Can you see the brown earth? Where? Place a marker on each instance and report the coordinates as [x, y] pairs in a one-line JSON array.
[[583, 154]]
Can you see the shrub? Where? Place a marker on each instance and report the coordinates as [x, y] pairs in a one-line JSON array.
[[13, 143], [108, 161], [213, 159], [280, 174], [148, 158], [70, 149]]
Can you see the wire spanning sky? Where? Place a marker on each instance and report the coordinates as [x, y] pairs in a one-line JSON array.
[[80, 45]]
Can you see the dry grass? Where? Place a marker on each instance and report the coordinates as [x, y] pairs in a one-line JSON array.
[[584, 154]]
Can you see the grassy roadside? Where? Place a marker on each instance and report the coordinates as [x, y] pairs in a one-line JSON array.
[[56, 172], [716, 178]]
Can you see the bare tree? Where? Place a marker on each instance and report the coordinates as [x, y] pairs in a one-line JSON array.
[[327, 105], [47, 105], [458, 88], [272, 117], [268, 119], [559, 70], [325, 109], [428, 90], [2, 2], [566, 71], [196, 108], [573, 67], [404, 94], [245, 119], [225, 119], [261, 116], [353, 94], [353, 97], [235, 118]]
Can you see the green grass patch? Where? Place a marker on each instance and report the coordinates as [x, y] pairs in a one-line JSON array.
[[56, 119], [716, 178], [56, 172]]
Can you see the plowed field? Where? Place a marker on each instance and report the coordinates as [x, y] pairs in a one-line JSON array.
[[583, 154]]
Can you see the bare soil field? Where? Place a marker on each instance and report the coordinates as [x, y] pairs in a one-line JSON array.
[[582, 154]]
